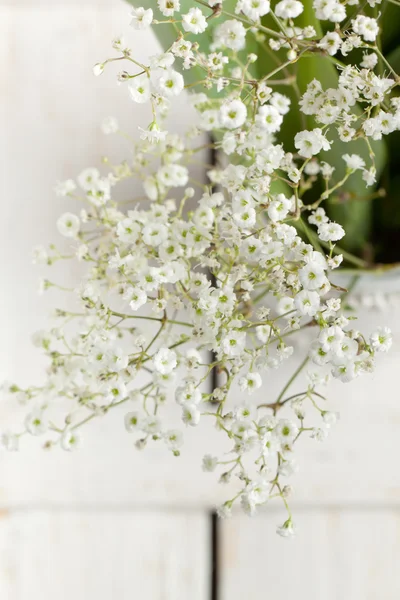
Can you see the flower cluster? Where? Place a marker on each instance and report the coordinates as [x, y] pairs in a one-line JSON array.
[[231, 268]]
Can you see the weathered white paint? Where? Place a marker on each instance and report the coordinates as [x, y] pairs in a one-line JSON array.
[[103, 555], [339, 553]]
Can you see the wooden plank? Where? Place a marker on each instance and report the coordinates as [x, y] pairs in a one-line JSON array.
[[338, 553], [104, 555]]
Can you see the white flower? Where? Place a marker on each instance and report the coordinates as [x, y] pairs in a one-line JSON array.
[[345, 372], [64, 188], [246, 218], [70, 440], [331, 42], [289, 9], [35, 423], [279, 208], [320, 433], [337, 12], [307, 302], [193, 359], [310, 143], [133, 421], [269, 118], [117, 359], [327, 170], [152, 134], [286, 530], [263, 333], [168, 7], [330, 232], [318, 216], [190, 415], [162, 61], [139, 89], [195, 263], [330, 336], [257, 492], [354, 161], [68, 225], [194, 21], [128, 230], [286, 430], [280, 102], [169, 83], [173, 175], [318, 354], [366, 27], [264, 93], [253, 9], [233, 343], [381, 339], [155, 234], [250, 383], [233, 114], [247, 504], [369, 61], [141, 18], [174, 440], [188, 394], [115, 391], [88, 178], [165, 361], [231, 34], [323, 8], [369, 176], [285, 305], [209, 463], [136, 296], [312, 276]]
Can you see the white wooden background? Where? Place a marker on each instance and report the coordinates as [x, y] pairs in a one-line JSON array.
[[108, 522]]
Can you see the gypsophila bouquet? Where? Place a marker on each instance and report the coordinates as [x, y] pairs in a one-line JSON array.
[[194, 278]]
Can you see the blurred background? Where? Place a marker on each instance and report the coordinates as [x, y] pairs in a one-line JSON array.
[[109, 522]]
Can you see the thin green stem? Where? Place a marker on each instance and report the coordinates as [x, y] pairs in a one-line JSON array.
[[291, 380]]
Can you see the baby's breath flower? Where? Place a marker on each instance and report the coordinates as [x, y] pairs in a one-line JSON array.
[[141, 18], [183, 284], [70, 440]]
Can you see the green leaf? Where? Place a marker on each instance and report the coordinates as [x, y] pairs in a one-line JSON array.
[[351, 207], [393, 57], [389, 25]]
